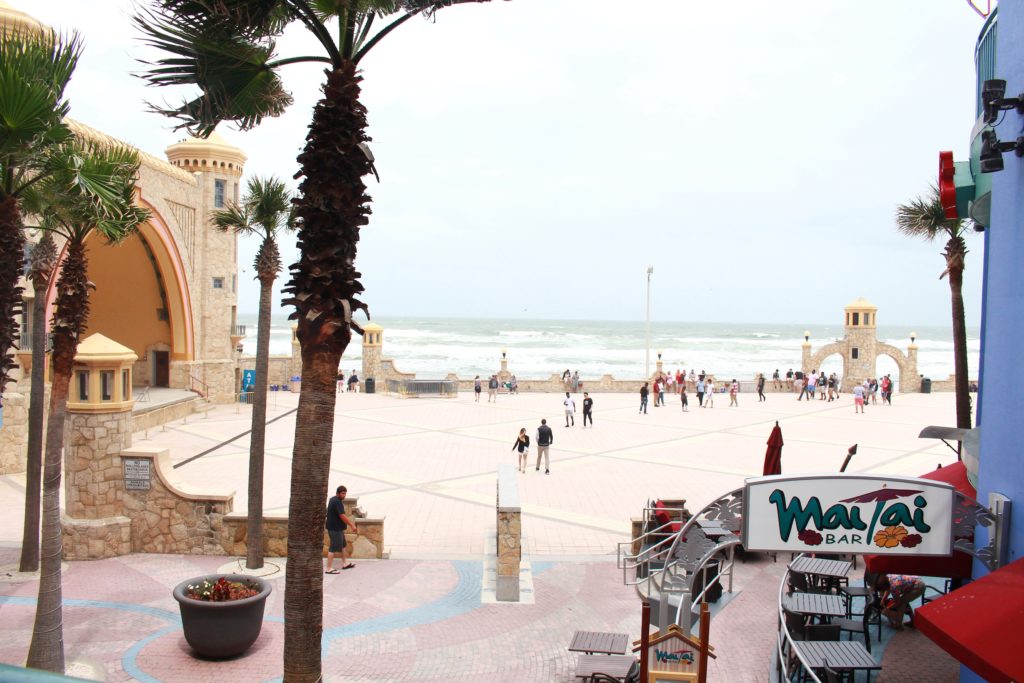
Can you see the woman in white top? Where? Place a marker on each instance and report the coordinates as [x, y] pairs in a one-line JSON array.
[[709, 393]]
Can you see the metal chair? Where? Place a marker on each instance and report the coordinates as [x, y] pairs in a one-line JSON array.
[[872, 615], [867, 591]]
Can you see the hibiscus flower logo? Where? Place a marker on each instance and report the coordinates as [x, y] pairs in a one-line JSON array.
[[891, 536], [910, 540], [810, 537]]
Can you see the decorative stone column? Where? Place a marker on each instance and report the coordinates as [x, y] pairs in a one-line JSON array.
[[658, 366], [509, 535], [805, 356], [504, 375], [373, 349], [99, 428], [910, 379]]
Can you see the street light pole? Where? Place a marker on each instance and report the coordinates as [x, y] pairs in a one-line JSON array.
[[647, 352]]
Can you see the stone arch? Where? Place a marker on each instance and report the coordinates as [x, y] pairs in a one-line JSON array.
[[909, 380], [816, 359]]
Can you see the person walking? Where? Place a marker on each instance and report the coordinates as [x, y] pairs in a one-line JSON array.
[[858, 398], [760, 386], [734, 392], [545, 437], [682, 398], [657, 391], [643, 398], [477, 388], [522, 444], [492, 389], [337, 522], [776, 382], [709, 393], [570, 410], [700, 392], [588, 409]]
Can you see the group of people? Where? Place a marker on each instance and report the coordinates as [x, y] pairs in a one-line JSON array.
[[869, 389], [704, 385], [350, 384], [571, 380], [493, 383], [815, 382]]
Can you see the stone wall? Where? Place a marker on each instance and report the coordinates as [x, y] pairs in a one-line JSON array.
[[279, 372], [367, 544], [509, 534], [14, 433], [172, 517], [93, 477]]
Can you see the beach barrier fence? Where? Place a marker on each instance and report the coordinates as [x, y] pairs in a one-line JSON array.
[[410, 388]]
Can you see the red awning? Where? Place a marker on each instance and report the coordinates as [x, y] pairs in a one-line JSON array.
[[980, 624], [958, 565]]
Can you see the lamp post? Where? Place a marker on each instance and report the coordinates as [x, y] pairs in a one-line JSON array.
[[647, 350]]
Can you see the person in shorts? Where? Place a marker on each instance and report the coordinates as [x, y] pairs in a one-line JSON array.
[[858, 398], [337, 522]]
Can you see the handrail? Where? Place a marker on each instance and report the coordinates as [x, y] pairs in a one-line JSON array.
[[193, 381], [784, 636], [238, 330]]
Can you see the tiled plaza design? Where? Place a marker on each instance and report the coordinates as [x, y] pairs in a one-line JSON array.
[[428, 466]]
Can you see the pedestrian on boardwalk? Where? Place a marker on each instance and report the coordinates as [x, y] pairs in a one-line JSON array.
[[492, 389], [643, 398], [657, 390], [709, 393], [588, 409], [858, 398], [570, 410], [888, 389], [341, 380], [789, 378], [760, 386], [575, 380], [776, 382], [353, 382], [734, 392], [545, 437], [522, 444], [682, 397], [337, 522], [477, 388], [700, 392]]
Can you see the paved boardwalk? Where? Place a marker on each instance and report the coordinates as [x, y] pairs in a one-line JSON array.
[[428, 466]]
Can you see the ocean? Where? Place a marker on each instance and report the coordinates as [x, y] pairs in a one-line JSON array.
[[434, 347]]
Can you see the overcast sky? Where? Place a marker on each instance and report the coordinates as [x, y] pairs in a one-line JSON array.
[[537, 155]]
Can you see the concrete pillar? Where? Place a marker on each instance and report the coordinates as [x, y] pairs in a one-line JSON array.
[[373, 351], [805, 356]]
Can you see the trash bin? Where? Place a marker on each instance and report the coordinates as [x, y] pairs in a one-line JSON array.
[[369, 386], [926, 385], [296, 384]]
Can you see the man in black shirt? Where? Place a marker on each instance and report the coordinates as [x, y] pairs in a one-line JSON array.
[[588, 409], [337, 522], [545, 437], [643, 398]]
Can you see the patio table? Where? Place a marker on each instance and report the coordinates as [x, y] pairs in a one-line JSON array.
[[600, 642], [838, 655], [832, 569], [816, 604], [616, 666]]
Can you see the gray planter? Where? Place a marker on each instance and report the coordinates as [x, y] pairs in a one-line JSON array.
[[222, 629]]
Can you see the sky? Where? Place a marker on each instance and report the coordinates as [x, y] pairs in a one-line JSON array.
[[536, 156]]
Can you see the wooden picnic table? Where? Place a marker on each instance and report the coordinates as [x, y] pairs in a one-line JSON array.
[[616, 666], [600, 642], [833, 569], [816, 604], [838, 655]]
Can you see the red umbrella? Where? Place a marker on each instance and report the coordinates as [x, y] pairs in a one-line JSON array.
[[773, 456]]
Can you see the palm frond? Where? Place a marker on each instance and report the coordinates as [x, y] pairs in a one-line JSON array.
[[232, 218], [250, 17], [924, 217], [235, 81]]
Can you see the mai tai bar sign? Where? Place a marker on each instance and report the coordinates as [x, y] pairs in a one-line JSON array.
[[848, 514]]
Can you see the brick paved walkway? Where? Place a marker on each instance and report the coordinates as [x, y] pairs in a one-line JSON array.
[[428, 466]]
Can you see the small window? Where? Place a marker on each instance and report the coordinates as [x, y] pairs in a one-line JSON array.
[[126, 387], [234, 283], [218, 283], [218, 194], [83, 386], [234, 191], [107, 385], [856, 318], [855, 352]]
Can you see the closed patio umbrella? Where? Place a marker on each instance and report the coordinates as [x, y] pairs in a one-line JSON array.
[[773, 456]]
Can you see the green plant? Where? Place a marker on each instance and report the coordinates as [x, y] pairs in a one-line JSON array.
[[221, 590]]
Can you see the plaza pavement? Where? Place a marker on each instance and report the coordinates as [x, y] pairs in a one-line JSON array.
[[427, 465]]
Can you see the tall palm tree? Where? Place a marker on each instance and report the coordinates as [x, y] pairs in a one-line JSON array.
[[924, 217], [265, 209], [34, 71], [87, 188], [226, 48], [42, 259]]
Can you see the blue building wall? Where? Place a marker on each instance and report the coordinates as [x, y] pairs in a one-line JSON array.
[[1002, 423]]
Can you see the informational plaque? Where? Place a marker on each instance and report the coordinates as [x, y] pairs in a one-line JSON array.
[[137, 473]]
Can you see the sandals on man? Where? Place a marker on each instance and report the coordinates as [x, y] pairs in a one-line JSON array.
[[348, 566], [332, 571]]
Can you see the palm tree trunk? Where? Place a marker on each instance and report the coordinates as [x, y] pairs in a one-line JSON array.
[[72, 305], [34, 460], [257, 442], [961, 379], [331, 208], [12, 256]]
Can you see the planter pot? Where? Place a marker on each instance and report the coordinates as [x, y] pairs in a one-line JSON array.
[[222, 629]]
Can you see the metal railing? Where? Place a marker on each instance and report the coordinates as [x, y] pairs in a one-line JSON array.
[[786, 648], [422, 387], [238, 330], [204, 391]]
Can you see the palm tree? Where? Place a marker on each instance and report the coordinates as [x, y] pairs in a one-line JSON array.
[[924, 217], [87, 188], [41, 261], [265, 209], [34, 71], [226, 48]]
